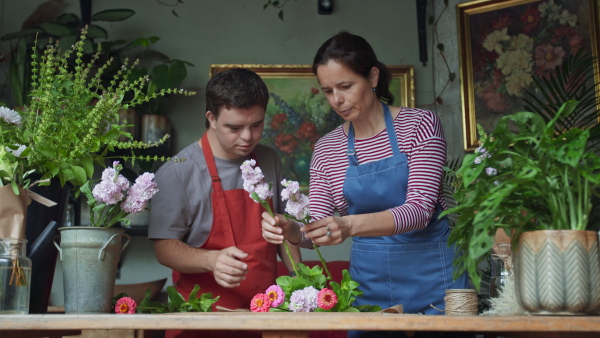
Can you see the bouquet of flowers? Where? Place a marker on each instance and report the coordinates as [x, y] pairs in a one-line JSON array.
[[311, 289], [112, 199]]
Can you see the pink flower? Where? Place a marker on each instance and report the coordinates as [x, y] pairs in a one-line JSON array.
[[254, 182], [297, 205], [140, 193], [276, 295], [260, 303], [125, 305], [326, 299]]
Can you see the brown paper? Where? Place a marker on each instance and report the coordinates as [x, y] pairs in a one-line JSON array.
[[13, 213]]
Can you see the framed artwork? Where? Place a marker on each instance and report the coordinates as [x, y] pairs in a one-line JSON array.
[[298, 113], [505, 44]]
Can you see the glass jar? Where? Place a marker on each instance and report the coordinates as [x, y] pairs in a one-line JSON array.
[[501, 266], [15, 276]]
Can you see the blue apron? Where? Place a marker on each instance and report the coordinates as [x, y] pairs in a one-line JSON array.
[[414, 268]]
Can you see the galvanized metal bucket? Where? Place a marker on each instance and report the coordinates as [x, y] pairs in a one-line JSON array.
[[89, 256]]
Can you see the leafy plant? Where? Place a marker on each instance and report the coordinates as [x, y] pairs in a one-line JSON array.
[[72, 122], [66, 30], [176, 302], [161, 71], [525, 176], [346, 292]]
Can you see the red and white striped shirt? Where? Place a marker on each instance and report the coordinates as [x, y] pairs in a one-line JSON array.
[[421, 138]]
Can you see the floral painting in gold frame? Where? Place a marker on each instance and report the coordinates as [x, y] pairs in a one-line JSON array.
[[298, 113], [505, 44]]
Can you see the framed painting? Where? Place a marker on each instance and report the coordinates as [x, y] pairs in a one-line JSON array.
[[298, 113], [505, 44]]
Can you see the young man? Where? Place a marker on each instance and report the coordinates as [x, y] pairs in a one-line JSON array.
[[204, 225]]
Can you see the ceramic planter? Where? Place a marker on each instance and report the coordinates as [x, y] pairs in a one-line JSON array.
[[557, 272]]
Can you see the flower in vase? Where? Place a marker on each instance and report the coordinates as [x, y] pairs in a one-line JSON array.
[[113, 199], [276, 295], [125, 305], [326, 299], [260, 303]]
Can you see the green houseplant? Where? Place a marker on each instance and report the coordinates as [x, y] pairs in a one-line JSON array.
[[525, 177], [72, 126]]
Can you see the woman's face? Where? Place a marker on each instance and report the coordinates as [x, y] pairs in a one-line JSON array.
[[348, 93]]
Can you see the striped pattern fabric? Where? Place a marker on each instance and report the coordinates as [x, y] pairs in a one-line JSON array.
[[420, 136]]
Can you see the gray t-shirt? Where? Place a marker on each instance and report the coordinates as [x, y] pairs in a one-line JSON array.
[[182, 208]]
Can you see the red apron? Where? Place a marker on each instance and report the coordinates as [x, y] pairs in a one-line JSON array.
[[236, 222]]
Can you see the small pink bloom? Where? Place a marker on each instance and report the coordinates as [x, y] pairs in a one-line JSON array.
[[276, 295], [125, 305], [326, 299], [260, 303]]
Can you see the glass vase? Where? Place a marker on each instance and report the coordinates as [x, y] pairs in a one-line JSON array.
[[15, 276], [501, 266]]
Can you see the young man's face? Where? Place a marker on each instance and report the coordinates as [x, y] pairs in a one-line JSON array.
[[237, 130]]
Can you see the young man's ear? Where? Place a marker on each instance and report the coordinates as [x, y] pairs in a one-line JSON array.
[[212, 119]]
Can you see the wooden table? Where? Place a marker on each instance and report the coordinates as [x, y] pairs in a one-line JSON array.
[[278, 324]]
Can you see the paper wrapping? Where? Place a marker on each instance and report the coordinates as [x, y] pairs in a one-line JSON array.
[[13, 213]]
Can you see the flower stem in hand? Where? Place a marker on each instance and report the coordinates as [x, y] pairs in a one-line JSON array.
[[287, 249]]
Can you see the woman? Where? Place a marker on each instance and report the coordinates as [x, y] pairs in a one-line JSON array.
[[382, 171]]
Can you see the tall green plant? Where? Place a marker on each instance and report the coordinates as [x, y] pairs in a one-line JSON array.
[[525, 176], [575, 79]]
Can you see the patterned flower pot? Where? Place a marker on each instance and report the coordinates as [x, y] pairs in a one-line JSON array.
[[557, 272]]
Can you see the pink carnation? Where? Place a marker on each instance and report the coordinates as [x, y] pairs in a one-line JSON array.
[[125, 305], [276, 295], [260, 303], [326, 299]]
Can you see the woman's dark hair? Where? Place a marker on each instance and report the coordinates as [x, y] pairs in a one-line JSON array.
[[356, 53], [236, 87]]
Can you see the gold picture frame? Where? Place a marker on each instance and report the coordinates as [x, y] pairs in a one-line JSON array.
[[403, 77], [298, 113], [495, 34]]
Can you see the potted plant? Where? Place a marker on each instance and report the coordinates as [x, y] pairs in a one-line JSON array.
[[72, 124], [532, 181]]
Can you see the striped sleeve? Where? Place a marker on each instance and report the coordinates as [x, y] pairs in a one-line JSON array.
[[421, 137]]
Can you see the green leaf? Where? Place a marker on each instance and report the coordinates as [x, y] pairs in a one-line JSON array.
[[95, 32], [19, 34], [55, 29], [113, 15], [79, 173], [67, 18]]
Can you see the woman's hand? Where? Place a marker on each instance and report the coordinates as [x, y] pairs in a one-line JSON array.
[[328, 231], [277, 229]]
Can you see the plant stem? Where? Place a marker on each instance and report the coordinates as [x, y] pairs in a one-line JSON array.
[[287, 249], [323, 262]]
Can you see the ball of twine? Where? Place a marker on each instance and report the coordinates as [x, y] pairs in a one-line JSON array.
[[461, 302]]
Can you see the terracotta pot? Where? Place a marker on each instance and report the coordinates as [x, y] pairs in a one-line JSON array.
[[557, 272]]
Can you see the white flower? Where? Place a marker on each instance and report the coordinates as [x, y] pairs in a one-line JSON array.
[[521, 41], [515, 61], [10, 116], [517, 82], [493, 41], [567, 18]]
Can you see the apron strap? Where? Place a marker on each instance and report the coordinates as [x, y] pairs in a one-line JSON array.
[[216, 185], [389, 126]]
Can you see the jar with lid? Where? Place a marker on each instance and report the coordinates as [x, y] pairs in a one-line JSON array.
[[15, 276]]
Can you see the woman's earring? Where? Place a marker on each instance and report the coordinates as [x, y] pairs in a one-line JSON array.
[[374, 90]]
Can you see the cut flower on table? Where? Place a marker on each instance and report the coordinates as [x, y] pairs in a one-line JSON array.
[[312, 290]]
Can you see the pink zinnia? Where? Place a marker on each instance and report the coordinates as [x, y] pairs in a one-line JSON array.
[[327, 299], [275, 294], [260, 303], [125, 305]]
